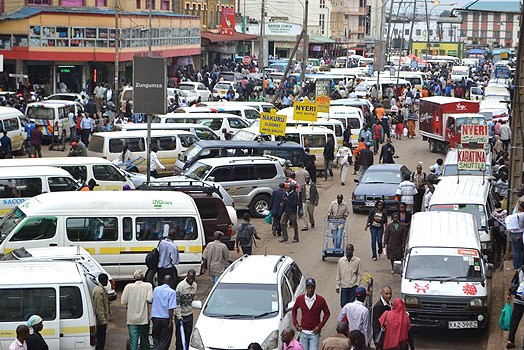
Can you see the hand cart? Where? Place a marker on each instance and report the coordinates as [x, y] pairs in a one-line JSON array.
[[334, 238]]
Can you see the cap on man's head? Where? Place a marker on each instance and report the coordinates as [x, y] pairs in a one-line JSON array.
[[311, 282], [360, 292], [138, 274]]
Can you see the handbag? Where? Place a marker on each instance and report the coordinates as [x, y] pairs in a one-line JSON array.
[[505, 317], [269, 218], [379, 338]]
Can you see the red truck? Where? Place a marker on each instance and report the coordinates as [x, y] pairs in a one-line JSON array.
[[441, 118]]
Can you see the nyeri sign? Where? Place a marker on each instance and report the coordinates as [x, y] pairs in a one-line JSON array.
[[474, 133]]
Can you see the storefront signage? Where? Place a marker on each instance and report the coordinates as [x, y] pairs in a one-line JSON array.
[[305, 111], [469, 159], [322, 103], [227, 25], [474, 133], [281, 28], [272, 123], [149, 85]]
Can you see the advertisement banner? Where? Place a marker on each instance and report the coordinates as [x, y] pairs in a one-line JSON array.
[[471, 159], [305, 111], [272, 124], [322, 103], [149, 85], [474, 133], [227, 25]]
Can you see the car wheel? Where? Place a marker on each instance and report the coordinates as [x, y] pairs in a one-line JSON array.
[[448, 147], [259, 206], [23, 149], [151, 277], [63, 137]]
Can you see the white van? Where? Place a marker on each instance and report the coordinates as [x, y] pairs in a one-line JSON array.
[[351, 116], [118, 231], [259, 106], [467, 194], [10, 120], [170, 143], [106, 174], [244, 111], [57, 291], [450, 167], [17, 184], [201, 131], [444, 276], [52, 117]]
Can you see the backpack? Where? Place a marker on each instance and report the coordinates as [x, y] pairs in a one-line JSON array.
[[152, 259], [244, 235]]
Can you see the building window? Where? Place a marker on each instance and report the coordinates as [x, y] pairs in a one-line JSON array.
[[38, 2], [362, 3], [321, 23], [431, 32], [483, 33], [406, 32], [150, 3], [484, 17], [509, 35], [100, 3], [186, 10], [418, 32], [77, 3], [322, 4], [496, 34], [463, 33], [475, 34], [509, 17], [464, 17], [1, 6], [138, 4], [496, 17], [164, 5], [476, 16]]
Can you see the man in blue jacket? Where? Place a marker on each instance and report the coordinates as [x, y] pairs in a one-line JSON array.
[[290, 213], [277, 208]]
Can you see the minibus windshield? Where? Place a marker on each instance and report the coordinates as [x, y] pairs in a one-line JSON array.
[[443, 267], [9, 222]]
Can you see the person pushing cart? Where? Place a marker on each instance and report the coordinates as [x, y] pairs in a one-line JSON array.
[[335, 228]]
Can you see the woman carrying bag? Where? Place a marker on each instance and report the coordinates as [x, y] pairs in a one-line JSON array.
[[397, 328]]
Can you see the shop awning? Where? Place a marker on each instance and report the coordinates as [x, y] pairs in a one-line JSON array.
[[313, 39], [216, 38]]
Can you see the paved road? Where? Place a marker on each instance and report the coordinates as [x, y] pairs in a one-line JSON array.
[[308, 255]]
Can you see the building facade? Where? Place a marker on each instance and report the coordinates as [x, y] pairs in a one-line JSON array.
[[348, 23]]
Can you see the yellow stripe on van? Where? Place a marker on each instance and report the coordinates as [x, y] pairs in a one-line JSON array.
[[4, 212], [195, 249], [91, 251], [6, 333], [138, 249], [75, 330], [114, 251], [48, 331], [8, 250]]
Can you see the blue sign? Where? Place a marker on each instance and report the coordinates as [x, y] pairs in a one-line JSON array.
[[371, 70], [502, 72]]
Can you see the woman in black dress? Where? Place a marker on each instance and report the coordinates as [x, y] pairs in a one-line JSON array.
[[35, 340]]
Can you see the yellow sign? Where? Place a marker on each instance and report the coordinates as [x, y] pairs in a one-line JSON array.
[[272, 124], [305, 111], [323, 104]]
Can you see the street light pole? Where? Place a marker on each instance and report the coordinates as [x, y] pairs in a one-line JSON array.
[[149, 43], [117, 49], [306, 43]]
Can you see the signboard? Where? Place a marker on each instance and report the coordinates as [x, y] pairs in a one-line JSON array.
[[322, 87], [471, 159], [282, 29], [227, 24], [322, 103], [149, 85], [371, 69], [502, 72], [246, 60], [272, 123], [368, 20], [305, 111], [474, 133], [392, 71]]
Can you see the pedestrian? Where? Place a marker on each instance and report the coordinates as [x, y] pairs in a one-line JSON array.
[[505, 135], [91, 184], [162, 313], [288, 340], [311, 306], [338, 212], [246, 234], [28, 128], [155, 162], [377, 220], [344, 158], [101, 307], [358, 315], [412, 120], [256, 346], [86, 128], [387, 152], [428, 195], [381, 306], [215, 257], [300, 174], [438, 166], [6, 145], [356, 152], [366, 134], [136, 297], [407, 191], [365, 160], [346, 136], [329, 156], [357, 340], [397, 333], [36, 142], [35, 341], [498, 146], [310, 198], [126, 156], [276, 206], [168, 256], [339, 340], [349, 275], [395, 238], [22, 334], [311, 167], [419, 180], [185, 294], [516, 238], [290, 214], [72, 124], [377, 136], [432, 176]]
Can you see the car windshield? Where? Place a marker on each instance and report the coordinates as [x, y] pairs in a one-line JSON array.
[[198, 171], [362, 87], [443, 267], [476, 209], [452, 169], [381, 177], [222, 86], [190, 153], [236, 300], [186, 87], [9, 222]]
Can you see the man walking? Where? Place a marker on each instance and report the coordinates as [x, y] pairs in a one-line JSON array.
[[215, 257], [381, 306], [309, 195], [290, 214], [36, 142], [162, 313], [387, 152], [101, 306], [6, 145], [407, 191], [155, 162], [277, 208], [505, 135], [246, 234], [28, 128], [311, 305], [86, 128], [329, 156], [168, 256], [136, 296], [185, 294], [338, 211], [419, 180], [349, 276], [365, 160], [358, 315], [339, 340], [344, 156]]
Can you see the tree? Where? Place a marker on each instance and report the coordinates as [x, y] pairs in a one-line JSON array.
[[445, 13]]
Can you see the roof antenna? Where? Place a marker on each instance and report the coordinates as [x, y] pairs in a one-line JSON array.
[[265, 252]]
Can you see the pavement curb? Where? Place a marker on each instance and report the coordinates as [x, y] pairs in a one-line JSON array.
[[500, 282]]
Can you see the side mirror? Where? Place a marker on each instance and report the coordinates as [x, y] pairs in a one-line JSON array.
[[196, 304], [489, 270], [397, 267]]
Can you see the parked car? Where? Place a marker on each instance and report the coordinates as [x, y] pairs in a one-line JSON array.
[[221, 88], [199, 88]]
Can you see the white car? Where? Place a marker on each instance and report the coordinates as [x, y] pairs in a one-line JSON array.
[[251, 302], [190, 96], [199, 88], [221, 88], [67, 96]]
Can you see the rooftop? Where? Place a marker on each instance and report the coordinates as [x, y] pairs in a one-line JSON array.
[[493, 6]]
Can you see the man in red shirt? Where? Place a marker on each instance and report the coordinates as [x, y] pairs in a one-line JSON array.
[[310, 305], [377, 136]]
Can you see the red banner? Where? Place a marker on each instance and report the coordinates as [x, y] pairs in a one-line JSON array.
[[227, 26]]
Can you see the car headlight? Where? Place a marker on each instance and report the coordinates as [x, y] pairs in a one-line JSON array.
[[196, 340], [476, 303], [412, 301], [359, 198], [271, 342]]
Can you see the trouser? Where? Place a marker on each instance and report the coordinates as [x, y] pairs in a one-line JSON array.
[[214, 279], [162, 272], [247, 249], [376, 143], [376, 238], [153, 173], [309, 213], [187, 322], [292, 218], [328, 166], [337, 230], [275, 226], [101, 331], [516, 316], [29, 148], [138, 332], [99, 104], [417, 200], [518, 250], [344, 171], [37, 150], [347, 295], [506, 144], [162, 333], [84, 136], [309, 341], [361, 170], [72, 131]]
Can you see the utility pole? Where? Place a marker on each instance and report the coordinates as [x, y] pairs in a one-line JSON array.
[[150, 41], [148, 115], [347, 42], [427, 30], [117, 49], [261, 54], [306, 44], [386, 54], [410, 43]]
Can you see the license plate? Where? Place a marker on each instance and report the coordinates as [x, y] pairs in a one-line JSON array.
[[370, 203], [462, 324]]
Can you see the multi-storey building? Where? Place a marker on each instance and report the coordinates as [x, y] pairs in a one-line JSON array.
[[348, 23]]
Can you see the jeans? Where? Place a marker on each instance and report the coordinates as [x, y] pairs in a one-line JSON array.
[[247, 249], [214, 279], [361, 170], [101, 332], [187, 322], [518, 250], [337, 230], [347, 295], [376, 237], [275, 226], [328, 166], [138, 331], [162, 334], [516, 316], [309, 341]]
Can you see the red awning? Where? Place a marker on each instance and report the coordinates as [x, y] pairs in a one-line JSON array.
[[216, 38]]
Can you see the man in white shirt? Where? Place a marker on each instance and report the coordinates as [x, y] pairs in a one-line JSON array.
[[22, 333], [505, 135], [358, 315], [407, 191], [136, 296], [185, 294], [155, 162]]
